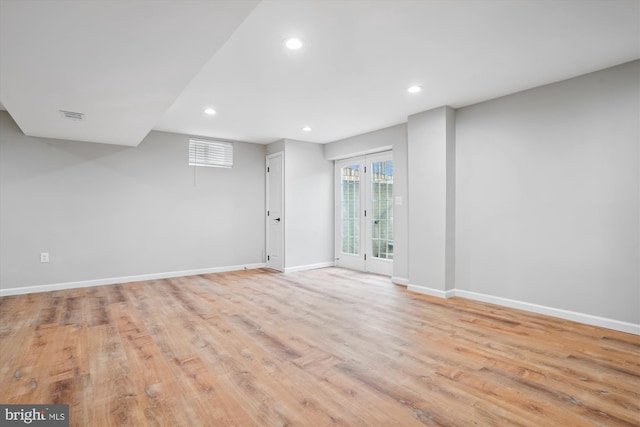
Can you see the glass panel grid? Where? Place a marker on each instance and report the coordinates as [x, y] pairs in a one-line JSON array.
[[350, 189], [382, 209]]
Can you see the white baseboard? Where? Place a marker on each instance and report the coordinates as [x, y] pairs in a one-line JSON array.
[[588, 319], [124, 279], [430, 291], [400, 281], [310, 266], [535, 308]]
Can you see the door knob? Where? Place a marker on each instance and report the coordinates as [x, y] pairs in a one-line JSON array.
[[277, 219]]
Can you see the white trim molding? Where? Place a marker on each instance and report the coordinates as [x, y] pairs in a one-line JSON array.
[[125, 279], [309, 266], [400, 281], [431, 291], [374, 150], [588, 319]]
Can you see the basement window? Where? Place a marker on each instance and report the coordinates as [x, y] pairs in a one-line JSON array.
[[215, 154]]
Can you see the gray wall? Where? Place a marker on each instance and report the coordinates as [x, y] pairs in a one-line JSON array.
[[105, 211], [275, 147], [431, 149], [308, 203], [395, 138], [548, 194], [309, 231]]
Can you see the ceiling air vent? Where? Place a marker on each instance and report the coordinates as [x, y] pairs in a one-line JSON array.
[[72, 115]]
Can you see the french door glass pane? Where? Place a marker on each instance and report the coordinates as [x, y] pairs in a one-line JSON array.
[[350, 187], [382, 209]]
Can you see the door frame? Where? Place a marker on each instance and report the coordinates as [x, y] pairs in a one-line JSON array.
[[266, 210]]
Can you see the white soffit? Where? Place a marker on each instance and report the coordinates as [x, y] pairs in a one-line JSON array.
[[120, 63], [359, 57]]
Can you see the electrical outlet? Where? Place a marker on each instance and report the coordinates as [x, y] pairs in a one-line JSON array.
[[44, 256]]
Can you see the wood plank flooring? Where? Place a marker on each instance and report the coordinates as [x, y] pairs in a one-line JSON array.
[[317, 348]]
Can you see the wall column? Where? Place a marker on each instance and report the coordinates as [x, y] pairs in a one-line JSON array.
[[431, 171]]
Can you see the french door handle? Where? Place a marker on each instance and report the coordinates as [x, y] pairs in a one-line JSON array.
[[276, 219]]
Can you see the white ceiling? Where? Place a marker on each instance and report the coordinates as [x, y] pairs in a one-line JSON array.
[[136, 65], [121, 63]]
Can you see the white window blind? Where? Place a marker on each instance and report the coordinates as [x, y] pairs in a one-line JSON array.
[[217, 154]]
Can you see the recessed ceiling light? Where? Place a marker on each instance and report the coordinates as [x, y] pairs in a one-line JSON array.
[[306, 129], [414, 89], [210, 111], [293, 43]]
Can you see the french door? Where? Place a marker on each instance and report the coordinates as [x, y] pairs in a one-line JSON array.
[[364, 213]]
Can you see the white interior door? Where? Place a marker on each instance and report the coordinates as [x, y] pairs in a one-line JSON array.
[[364, 213], [275, 211]]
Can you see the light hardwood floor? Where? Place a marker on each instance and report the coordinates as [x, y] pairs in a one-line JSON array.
[[317, 348]]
